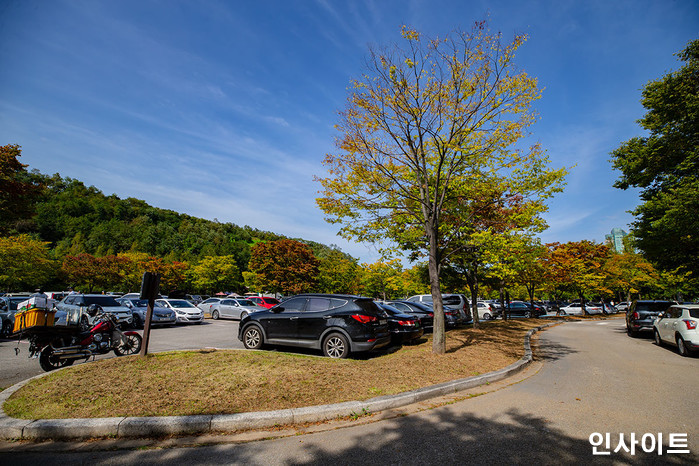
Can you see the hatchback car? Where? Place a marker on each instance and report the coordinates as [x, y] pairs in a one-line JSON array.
[[233, 308], [404, 327], [424, 313], [641, 315], [186, 312], [679, 326], [336, 324]]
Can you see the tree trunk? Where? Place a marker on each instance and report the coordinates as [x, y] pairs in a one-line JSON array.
[[439, 342], [502, 302], [472, 278]]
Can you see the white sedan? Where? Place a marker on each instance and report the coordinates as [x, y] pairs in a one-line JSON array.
[[186, 312], [575, 309], [679, 326]]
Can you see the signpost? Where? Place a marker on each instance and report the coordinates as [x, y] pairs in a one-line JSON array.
[[149, 290]]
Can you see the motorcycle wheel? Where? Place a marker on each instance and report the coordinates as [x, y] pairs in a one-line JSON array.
[[49, 362], [131, 345]]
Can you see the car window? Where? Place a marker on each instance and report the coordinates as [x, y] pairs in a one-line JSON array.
[[694, 313], [401, 307], [452, 300], [104, 301], [269, 300], [653, 307], [675, 312], [227, 302], [245, 302], [294, 304]]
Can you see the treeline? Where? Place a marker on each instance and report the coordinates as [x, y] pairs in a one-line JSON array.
[[75, 220]]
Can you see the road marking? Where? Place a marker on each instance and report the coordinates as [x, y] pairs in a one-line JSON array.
[[603, 323]]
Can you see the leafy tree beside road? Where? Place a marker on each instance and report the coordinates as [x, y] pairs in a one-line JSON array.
[[428, 138], [283, 266], [665, 165]]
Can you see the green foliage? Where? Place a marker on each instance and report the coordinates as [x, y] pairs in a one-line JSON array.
[[18, 191], [284, 266], [665, 166], [216, 273], [25, 263]]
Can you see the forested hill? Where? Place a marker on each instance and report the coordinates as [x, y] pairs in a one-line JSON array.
[[75, 218]]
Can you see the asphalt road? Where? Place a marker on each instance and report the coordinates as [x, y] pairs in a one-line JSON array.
[[588, 378], [210, 334]]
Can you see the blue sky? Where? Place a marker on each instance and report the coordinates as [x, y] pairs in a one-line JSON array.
[[225, 109]]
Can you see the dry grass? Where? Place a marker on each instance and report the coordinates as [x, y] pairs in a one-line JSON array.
[[222, 382]]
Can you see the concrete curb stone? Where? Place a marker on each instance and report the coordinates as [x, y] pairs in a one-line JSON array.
[[11, 428]]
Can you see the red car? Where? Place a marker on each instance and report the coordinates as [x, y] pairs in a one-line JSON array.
[[264, 301]]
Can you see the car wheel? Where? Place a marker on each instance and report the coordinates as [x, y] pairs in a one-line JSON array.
[[527, 314], [243, 315], [137, 321], [336, 345], [656, 335], [487, 316], [682, 347], [252, 337], [214, 315], [630, 332]]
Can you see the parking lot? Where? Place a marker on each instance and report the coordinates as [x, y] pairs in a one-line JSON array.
[[210, 334]]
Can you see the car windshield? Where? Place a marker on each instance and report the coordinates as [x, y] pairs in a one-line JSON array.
[[15, 301], [452, 300], [139, 302], [180, 303], [245, 302], [104, 301]]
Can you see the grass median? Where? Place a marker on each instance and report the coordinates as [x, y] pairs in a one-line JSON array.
[[234, 381]]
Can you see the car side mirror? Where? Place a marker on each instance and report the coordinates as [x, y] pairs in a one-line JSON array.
[[278, 309]]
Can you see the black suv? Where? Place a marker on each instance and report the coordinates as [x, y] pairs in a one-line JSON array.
[[337, 324], [641, 315]]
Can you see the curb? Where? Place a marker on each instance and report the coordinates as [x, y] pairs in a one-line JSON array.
[[42, 429]]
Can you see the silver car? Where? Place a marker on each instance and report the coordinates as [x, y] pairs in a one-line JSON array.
[[139, 308], [186, 312], [75, 306], [234, 308]]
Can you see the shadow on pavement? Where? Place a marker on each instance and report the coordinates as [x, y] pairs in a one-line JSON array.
[[438, 437]]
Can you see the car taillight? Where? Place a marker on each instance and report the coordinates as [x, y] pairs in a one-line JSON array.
[[409, 323], [449, 312], [691, 324], [635, 315], [364, 319]]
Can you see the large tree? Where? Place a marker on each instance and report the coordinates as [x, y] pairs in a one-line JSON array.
[[18, 190], [430, 128], [664, 165], [284, 266]]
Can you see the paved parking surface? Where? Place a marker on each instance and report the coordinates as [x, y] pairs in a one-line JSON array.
[[210, 334]]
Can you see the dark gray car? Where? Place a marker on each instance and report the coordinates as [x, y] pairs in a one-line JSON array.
[[139, 308], [641, 315]]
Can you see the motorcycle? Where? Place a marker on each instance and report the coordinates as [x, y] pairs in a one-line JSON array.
[[58, 347]]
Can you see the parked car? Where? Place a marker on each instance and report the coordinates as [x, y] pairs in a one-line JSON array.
[[622, 306], [424, 313], [608, 309], [233, 308], [193, 298], [404, 327], [336, 324], [207, 303], [456, 311], [486, 311], [522, 309], [139, 310], [679, 326], [264, 301], [186, 312], [8, 309], [75, 306], [642, 313], [575, 309]]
